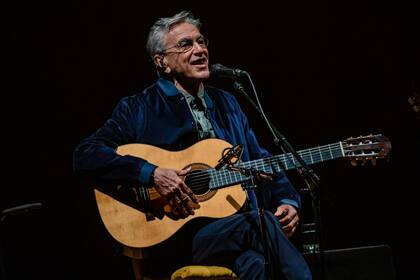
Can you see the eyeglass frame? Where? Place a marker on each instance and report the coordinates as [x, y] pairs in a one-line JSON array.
[[190, 45]]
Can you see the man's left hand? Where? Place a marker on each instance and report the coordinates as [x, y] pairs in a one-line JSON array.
[[288, 217]]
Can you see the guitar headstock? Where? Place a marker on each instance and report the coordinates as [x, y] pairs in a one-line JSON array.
[[366, 148]]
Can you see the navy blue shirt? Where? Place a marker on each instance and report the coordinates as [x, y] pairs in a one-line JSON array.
[[160, 116]]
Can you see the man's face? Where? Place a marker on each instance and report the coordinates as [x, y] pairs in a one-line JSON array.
[[184, 63]]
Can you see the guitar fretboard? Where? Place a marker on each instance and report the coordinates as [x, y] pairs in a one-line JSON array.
[[225, 177]]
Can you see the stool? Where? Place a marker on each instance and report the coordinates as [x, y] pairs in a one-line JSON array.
[[192, 272], [197, 272]]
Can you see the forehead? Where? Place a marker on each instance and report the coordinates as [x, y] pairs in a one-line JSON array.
[[180, 31]]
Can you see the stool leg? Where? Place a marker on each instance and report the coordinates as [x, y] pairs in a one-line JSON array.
[[137, 269]]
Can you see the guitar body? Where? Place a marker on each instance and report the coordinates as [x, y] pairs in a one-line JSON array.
[[129, 226]]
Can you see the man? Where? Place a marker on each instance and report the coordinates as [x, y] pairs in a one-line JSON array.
[[173, 114]]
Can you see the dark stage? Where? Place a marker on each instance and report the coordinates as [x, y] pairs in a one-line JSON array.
[[324, 71]]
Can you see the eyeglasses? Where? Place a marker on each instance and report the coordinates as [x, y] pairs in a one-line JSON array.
[[186, 44]]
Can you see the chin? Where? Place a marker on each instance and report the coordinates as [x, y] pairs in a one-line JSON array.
[[202, 75]]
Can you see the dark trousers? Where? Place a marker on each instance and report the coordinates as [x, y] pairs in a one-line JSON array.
[[235, 242]]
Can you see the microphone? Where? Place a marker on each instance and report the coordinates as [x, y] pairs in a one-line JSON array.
[[230, 156], [219, 70]]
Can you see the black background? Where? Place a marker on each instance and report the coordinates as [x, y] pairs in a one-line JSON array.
[[324, 71]]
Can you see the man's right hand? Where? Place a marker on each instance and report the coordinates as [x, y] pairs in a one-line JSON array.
[[168, 184]]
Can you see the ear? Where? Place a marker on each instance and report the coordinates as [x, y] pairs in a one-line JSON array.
[[159, 60]]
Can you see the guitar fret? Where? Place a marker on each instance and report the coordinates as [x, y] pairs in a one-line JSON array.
[[342, 149], [329, 148], [224, 178], [310, 153], [285, 163], [306, 159], [315, 156], [218, 180], [337, 151], [290, 158], [326, 154], [320, 153], [275, 165]]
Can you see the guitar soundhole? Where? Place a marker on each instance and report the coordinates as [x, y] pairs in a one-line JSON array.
[[198, 181]]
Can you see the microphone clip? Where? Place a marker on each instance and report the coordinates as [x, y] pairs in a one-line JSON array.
[[230, 156]]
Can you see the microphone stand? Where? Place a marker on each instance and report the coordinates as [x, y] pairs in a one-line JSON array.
[[311, 180], [230, 157], [254, 183]]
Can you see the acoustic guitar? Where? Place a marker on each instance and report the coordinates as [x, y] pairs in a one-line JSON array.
[[219, 191]]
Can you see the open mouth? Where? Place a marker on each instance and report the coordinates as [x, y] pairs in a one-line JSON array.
[[200, 62]]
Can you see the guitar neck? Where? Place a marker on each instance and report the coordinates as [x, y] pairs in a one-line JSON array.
[[225, 177]]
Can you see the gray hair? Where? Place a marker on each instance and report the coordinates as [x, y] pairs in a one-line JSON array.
[[156, 38]]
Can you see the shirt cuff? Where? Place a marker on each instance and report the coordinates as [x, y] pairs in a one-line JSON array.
[[290, 202], [146, 172]]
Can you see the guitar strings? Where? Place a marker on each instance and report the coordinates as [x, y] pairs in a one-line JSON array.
[[200, 179], [266, 161], [273, 159]]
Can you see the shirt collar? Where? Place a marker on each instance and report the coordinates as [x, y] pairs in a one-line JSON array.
[[189, 96], [169, 89]]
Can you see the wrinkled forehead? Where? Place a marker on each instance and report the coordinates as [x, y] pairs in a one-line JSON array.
[[181, 31]]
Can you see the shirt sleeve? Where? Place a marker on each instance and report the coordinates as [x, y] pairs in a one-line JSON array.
[[97, 154]]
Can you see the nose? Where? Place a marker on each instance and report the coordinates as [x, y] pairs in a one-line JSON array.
[[197, 48]]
